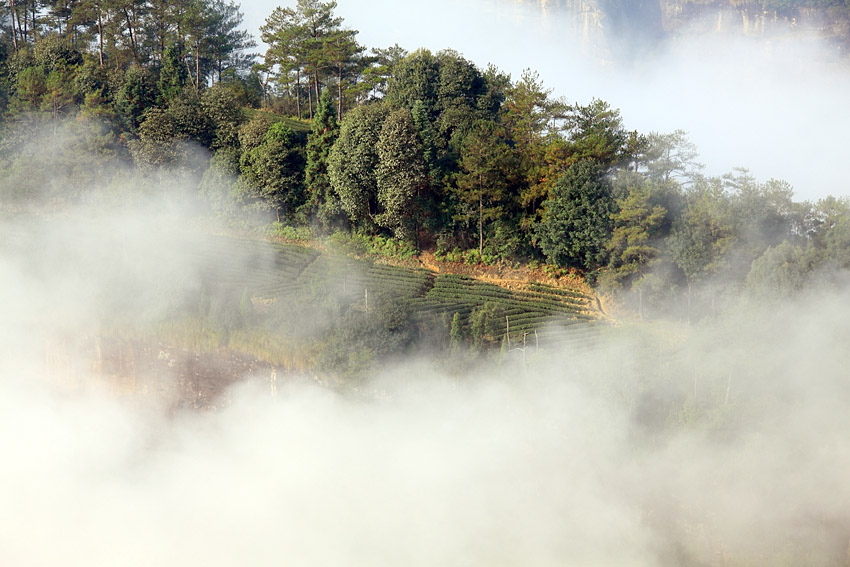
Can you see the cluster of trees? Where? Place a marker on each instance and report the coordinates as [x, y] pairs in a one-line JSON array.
[[119, 33], [422, 147]]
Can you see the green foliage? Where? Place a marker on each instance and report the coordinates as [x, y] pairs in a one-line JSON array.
[[172, 75], [191, 121], [274, 168], [54, 53], [322, 201], [353, 163], [218, 185], [365, 336], [90, 79], [380, 72], [415, 78], [484, 177], [670, 157], [762, 211], [159, 143], [577, 218], [222, 104], [401, 175], [837, 242], [374, 245], [291, 233], [308, 42], [703, 234], [431, 149], [596, 132], [631, 249], [781, 272], [487, 323], [135, 96], [30, 89], [456, 334]]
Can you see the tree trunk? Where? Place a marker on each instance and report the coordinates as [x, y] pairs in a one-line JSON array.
[[316, 85], [34, 16], [197, 65], [100, 36], [25, 27], [14, 29], [310, 97], [188, 69], [339, 92], [132, 31], [298, 91], [480, 223]]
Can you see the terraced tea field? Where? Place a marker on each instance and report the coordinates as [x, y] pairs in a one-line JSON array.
[[272, 273]]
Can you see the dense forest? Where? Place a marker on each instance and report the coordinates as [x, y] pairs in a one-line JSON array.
[[403, 151]]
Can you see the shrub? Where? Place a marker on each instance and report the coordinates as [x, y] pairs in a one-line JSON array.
[[291, 233]]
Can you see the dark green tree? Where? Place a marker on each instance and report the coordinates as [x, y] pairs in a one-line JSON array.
[[172, 75], [136, 94], [223, 105], [484, 177], [321, 200], [577, 217], [353, 164], [703, 234], [401, 174], [190, 118], [284, 60], [456, 332], [415, 78], [380, 70], [159, 143], [275, 169], [596, 132]]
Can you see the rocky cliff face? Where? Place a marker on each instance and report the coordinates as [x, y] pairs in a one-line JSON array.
[[749, 18], [636, 24]]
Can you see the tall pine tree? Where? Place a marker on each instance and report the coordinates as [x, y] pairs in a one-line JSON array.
[[321, 200]]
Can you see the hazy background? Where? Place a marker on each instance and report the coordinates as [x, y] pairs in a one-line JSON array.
[[777, 107]]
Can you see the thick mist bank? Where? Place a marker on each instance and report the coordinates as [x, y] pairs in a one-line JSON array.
[[719, 444], [730, 450]]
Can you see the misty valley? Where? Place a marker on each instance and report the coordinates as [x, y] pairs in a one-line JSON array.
[[344, 305]]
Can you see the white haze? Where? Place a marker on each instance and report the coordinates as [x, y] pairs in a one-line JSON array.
[[774, 105], [728, 448]]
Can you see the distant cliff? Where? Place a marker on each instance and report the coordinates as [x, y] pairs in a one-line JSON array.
[[640, 23], [829, 18]]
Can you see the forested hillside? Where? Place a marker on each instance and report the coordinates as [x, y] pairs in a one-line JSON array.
[[422, 150], [347, 305]]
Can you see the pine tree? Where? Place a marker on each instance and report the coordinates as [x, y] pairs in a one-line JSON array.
[[172, 75], [483, 178], [321, 201], [635, 224]]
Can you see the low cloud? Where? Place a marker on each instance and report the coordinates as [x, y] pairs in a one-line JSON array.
[[720, 444]]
